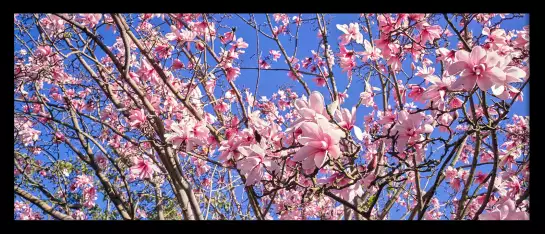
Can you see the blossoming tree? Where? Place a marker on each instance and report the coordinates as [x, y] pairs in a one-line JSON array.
[[366, 117]]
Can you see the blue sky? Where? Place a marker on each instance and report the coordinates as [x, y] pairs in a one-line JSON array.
[[271, 81]]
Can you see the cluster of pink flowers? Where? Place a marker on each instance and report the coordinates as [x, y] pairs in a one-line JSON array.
[[89, 190], [295, 145], [25, 132], [26, 212]]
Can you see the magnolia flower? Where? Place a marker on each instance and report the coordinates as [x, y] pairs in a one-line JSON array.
[[370, 52], [425, 71], [320, 142], [478, 67], [446, 55], [346, 118], [227, 37], [137, 117], [309, 111], [143, 168], [183, 36], [263, 64], [189, 133], [222, 107], [351, 31], [320, 81], [439, 88], [275, 54], [505, 211], [430, 33], [229, 149], [368, 95], [239, 43], [409, 128], [512, 74], [231, 72], [252, 165], [82, 181], [90, 20], [177, 64], [497, 37]]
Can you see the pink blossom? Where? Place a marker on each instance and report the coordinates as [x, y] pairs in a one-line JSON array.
[[478, 67], [82, 181], [505, 210], [523, 38], [320, 141], [263, 64], [231, 72], [445, 119], [416, 92], [347, 64], [227, 37], [298, 20], [240, 44], [295, 76], [395, 63], [281, 17], [229, 149], [409, 128], [177, 64], [342, 96], [320, 81], [143, 168], [201, 165], [512, 74], [222, 107], [351, 31], [183, 36], [59, 137], [425, 71], [275, 54], [137, 117], [200, 46], [79, 215], [189, 132], [455, 103], [438, 90], [346, 118], [446, 55], [368, 95], [90, 20], [164, 50], [497, 38], [252, 165], [430, 33], [370, 52], [89, 196]]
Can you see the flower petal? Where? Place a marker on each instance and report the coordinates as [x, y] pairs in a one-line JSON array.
[[319, 159], [358, 133], [316, 102], [478, 55], [496, 75], [484, 83], [303, 153], [492, 59], [468, 82], [311, 130], [462, 55], [514, 74], [498, 89], [457, 67], [334, 152]]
